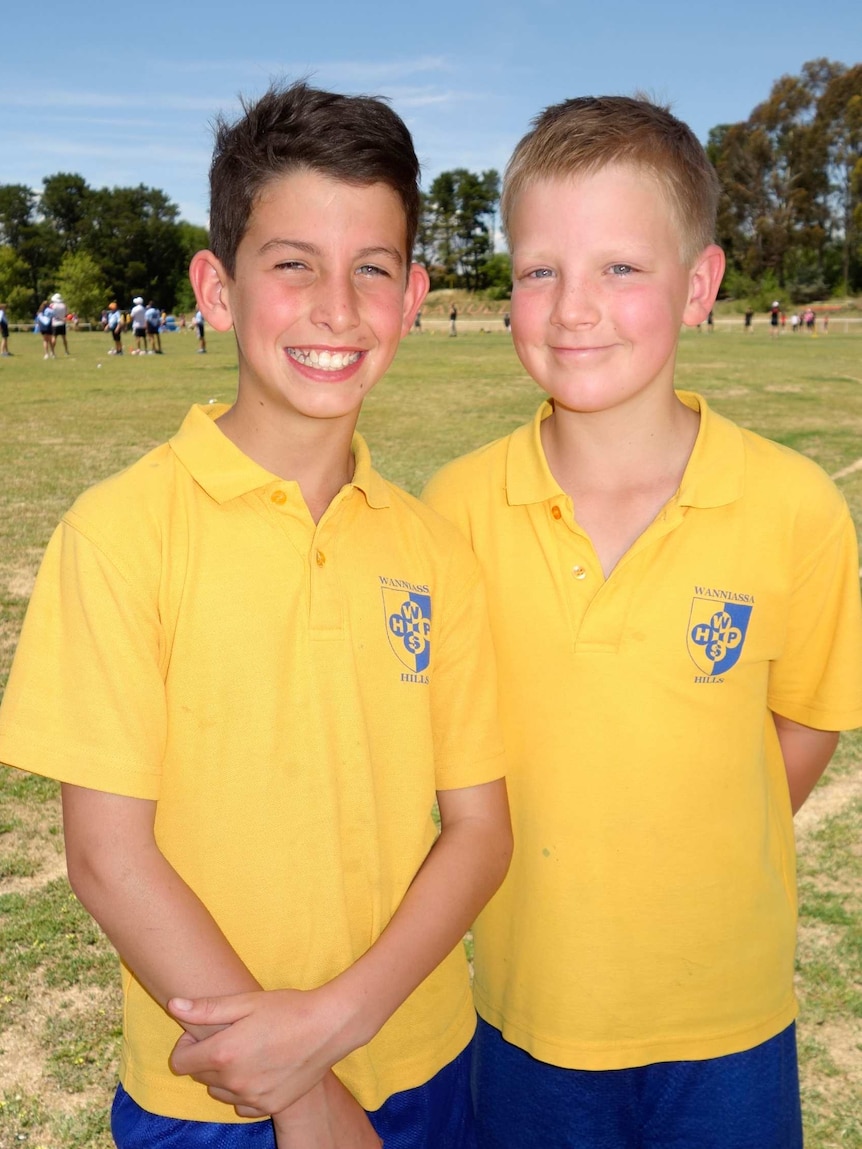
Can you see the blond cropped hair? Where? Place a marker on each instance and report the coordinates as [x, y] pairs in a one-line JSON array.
[[584, 135]]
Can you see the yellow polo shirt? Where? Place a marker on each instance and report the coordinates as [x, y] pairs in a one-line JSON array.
[[649, 913], [291, 694]]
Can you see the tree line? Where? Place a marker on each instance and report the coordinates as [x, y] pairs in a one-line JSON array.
[[790, 216], [93, 245]]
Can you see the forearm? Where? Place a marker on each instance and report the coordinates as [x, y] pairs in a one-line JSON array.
[[327, 1117], [160, 928], [463, 869], [806, 754], [282, 1044]]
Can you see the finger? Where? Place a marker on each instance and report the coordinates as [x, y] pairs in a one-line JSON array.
[[184, 1040], [237, 1100], [209, 1010], [250, 1111], [177, 1059], [202, 1060], [186, 1059]]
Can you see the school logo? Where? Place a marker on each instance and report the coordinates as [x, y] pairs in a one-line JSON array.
[[408, 626], [716, 634]]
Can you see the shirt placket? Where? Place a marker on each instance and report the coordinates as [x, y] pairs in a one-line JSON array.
[[598, 606], [317, 545]]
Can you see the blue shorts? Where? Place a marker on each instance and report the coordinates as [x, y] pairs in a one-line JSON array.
[[437, 1115], [746, 1100]]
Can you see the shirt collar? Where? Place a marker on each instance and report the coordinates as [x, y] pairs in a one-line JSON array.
[[528, 476], [225, 472], [715, 473], [713, 477], [365, 478]]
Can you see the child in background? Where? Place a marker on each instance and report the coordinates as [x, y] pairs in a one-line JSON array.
[[114, 324], [44, 317], [154, 323], [4, 332], [138, 317], [200, 328]]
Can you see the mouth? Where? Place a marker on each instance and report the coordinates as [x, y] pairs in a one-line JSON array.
[[324, 360], [581, 352]]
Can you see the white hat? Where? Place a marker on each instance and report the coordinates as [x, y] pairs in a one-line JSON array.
[[57, 297], [776, 303], [137, 299]]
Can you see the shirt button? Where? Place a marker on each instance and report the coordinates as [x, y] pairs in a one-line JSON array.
[[579, 572], [320, 558], [556, 512], [279, 497]]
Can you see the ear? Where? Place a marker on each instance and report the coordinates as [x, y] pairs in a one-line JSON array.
[[418, 284], [211, 285], [704, 281]]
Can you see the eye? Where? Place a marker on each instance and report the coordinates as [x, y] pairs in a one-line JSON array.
[[621, 270], [537, 273], [372, 270], [291, 265]]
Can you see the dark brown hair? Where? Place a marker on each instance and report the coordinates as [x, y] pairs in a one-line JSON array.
[[584, 135], [357, 139]]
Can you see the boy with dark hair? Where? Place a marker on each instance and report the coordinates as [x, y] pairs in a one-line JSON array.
[[259, 679], [676, 614]]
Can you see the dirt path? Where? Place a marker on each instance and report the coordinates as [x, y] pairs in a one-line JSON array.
[[827, 800]]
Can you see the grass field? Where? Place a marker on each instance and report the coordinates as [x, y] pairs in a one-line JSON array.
[[66, 423]]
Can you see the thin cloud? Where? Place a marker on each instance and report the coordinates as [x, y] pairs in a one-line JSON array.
[[142, 102], [354, 71], [347, 71], [130, 149], [425, 97]]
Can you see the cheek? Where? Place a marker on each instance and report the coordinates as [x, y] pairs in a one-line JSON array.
[[527, 313], [645, 313], [385, 317]]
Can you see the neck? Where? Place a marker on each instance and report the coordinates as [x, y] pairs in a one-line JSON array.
[[621, 447], [314, 453]]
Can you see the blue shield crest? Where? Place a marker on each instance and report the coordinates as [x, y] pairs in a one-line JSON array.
[[408, 627], [716, 634]]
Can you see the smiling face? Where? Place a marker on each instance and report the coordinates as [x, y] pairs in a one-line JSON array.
[[321, 295], [600, 289]]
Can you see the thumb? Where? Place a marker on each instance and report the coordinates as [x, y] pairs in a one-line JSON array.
[[208, 1010]]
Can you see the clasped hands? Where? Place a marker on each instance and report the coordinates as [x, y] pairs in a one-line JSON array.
[[271, 1053]]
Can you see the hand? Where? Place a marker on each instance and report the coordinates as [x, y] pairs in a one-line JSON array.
[[328, 1117], [278, 1045]]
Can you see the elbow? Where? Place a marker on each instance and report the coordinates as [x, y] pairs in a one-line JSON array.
[[500, 856], [100, 879], [84, 878], [502, 844], [507, 849]]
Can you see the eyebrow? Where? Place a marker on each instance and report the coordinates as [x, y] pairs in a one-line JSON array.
[[312, 249]]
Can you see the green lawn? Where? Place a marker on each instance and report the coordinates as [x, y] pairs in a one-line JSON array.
[[68, 422]]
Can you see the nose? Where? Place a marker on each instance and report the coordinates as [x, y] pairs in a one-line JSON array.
[[335, 305], [575, 304]]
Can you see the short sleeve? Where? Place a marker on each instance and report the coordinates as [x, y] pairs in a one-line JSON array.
[[85, 701], [817, 680], [467, 744], [442, 492]]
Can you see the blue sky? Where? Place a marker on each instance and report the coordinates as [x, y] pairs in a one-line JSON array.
[[124, 99]]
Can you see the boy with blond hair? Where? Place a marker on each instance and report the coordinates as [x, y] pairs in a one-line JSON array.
[[676, 614], [253, 663]]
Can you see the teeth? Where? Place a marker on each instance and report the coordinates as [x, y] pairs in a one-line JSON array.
[[324, 360]]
